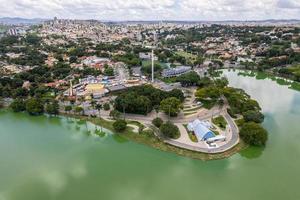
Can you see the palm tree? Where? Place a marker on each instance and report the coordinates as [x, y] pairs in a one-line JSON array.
[[99, 107], [93, 104], [156, 108], [1, 103]]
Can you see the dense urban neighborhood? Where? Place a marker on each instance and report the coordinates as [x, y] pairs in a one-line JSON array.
[[156, 80]]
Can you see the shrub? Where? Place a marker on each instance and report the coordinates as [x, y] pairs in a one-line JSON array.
[[170, 130], [120, 125], [157, 122]]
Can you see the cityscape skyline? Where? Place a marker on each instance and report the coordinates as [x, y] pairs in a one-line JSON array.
[[146, 10]]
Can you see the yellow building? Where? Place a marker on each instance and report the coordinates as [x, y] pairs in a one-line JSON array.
[[94, 88]]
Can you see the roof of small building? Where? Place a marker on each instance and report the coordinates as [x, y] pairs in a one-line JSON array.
[[200, 130]]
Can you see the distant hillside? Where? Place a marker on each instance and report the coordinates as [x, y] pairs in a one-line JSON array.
[[17, 20], [272, 21]]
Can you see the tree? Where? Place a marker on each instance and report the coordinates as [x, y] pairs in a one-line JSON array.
[[73, 59], [156, 108], [157, 122], [1, 103], [177, 94], [147, 69], [131, 102], [68, 109], [254, 134], [20, 92], [188, 79], [33, 39], [99, 107], [93, 104], [222, 82], [34, 106], [120, 125], [170, 130], [18, 105], [253, 116], [171, 106], [108, 71], [106, 106], [52, 108], [79, 109], [115, 114]]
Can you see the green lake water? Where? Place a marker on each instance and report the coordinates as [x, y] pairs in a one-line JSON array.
[[45, 158]]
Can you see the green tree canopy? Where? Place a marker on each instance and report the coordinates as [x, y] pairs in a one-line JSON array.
[[34, 106], [18, 105], [52, 108], [171, 106], [170, 130], [120, 125], [188, 79], [253, 116], [157, 122], [254, 134]]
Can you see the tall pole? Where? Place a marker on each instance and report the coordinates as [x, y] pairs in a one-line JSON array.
[[169, 112], [152, 65]]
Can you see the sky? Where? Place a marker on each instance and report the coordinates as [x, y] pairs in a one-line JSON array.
[[121, 10]]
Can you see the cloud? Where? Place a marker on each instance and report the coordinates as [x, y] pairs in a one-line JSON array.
[[152, 9], [289, 4]]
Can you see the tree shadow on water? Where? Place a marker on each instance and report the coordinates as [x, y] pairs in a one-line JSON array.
[[119, 138], [252, 152]]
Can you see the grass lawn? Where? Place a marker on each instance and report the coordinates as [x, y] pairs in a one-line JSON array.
[[281, 81], [141, 126], [220, 122]]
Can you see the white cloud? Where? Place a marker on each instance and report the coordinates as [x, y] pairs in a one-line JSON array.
[[289, 4], [152, 9]]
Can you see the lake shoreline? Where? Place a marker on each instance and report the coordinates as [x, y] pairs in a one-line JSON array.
[[281, 80], [154, 142]]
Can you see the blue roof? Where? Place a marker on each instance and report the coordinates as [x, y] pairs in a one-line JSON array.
[[208, 135]]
